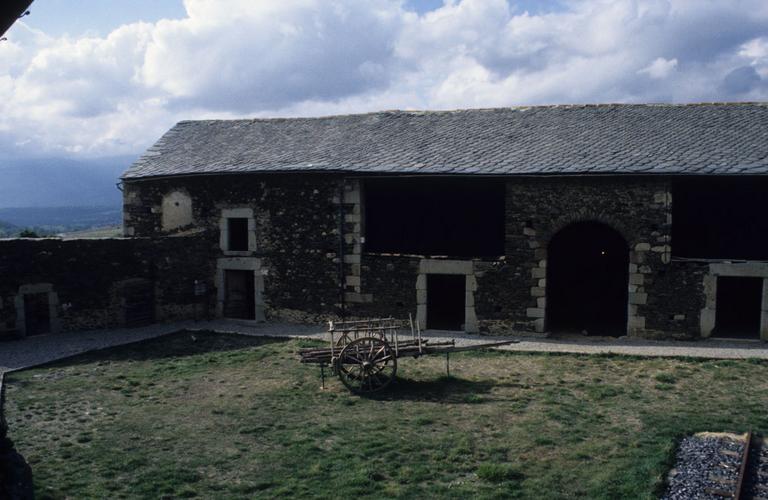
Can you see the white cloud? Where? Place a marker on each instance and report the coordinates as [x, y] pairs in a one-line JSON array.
[[756, 49], [117, 94], [250, 56], [660, 68]]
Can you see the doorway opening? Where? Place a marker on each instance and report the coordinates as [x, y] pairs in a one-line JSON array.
[[587, 280], [445, 301], [37, 313], [139, 303], [738, 307], [239, 295]]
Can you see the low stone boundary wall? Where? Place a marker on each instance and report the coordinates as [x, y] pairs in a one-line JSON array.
[[54, 285]]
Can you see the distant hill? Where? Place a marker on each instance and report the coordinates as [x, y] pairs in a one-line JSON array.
[[52, 220], [7, 229], [61, 182]]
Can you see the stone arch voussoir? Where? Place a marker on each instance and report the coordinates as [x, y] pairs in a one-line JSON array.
[[585, 216]]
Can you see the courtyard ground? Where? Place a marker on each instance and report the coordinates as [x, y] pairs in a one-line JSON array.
[[223, 415]]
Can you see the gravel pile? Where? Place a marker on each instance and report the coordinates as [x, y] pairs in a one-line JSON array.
[[705, 465]]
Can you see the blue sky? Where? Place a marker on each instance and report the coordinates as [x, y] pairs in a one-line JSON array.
[[104, 77], [78, 17]]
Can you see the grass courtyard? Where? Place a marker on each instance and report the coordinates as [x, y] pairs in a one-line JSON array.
[[227, 416]]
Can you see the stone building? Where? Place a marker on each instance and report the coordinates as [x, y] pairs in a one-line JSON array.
[[646, 220]]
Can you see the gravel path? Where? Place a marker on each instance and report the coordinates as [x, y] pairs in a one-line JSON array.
[[31, 351]]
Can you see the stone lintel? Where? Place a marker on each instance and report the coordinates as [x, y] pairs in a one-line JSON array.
[[439, 266]]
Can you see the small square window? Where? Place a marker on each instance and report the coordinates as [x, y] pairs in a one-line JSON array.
[[237, 229]]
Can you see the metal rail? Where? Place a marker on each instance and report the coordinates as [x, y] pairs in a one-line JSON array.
[[740, 493]]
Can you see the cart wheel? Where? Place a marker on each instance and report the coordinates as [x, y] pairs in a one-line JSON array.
[[367, 364]]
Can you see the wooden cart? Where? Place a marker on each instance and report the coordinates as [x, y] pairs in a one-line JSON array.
[[364, 354]]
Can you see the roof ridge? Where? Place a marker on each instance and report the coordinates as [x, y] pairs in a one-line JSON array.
[[522, 107]]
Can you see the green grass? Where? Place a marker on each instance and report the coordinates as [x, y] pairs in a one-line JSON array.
[[226, 416]]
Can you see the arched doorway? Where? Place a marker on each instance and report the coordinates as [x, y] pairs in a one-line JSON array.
[[587, 280]]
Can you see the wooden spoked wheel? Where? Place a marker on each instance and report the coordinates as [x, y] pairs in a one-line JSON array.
[[367, 364]]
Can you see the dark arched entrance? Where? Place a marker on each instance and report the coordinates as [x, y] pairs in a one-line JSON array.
[[587, 280]]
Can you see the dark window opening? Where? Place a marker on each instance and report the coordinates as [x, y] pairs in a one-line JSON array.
[[720, 218], [139, 301], [445, 301], [587, 280], [435, 216], [239, 295], [37, 314], [738, 307], [238, 234]]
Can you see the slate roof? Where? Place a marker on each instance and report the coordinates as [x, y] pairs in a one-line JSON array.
[[702, 139]]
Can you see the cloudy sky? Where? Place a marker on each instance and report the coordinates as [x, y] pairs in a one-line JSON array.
[[87, 78]]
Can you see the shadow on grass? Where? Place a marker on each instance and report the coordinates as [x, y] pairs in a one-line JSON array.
[[174, 345], [445, 389]]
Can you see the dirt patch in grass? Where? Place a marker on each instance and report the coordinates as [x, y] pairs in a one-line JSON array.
[[229, 416]]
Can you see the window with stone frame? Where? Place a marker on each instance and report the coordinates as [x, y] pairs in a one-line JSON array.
[[237, 239], [237, 231]]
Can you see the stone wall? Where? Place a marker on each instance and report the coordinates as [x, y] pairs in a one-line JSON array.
[[538, 208], [676, 297], [84, 279], [309, 246], [663, 297], [389, 286], [295, 220]]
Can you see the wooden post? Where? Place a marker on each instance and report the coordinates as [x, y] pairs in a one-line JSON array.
[[330, 330], [418, 331]]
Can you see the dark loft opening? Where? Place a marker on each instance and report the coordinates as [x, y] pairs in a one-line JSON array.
[[37, 314], [738, 306], [720, 218], [237, 229], [445, 301], [239, 295], [435, 216], [587, 280]]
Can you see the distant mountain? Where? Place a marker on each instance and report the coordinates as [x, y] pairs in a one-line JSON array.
[[7, 229], [61, 182], [51, 220]]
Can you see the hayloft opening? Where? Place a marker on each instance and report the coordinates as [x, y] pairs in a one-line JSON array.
[[587, 280], [239, 295], [37, 313], [738, 307], [434, 216], [445, 301], [237, 230], [720, 218]]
